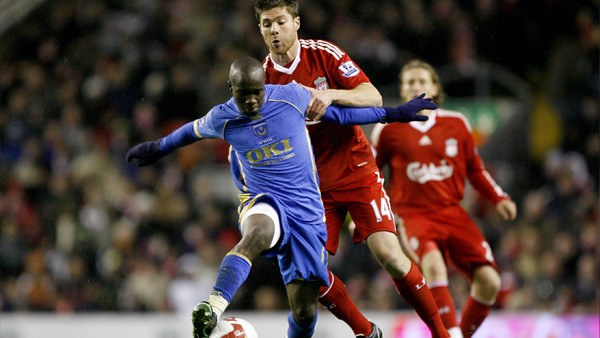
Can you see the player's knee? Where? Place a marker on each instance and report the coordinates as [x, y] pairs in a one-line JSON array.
[[257, 237], [304, 314], [394, 261], [486, 280], [433, 266], [389, 254]]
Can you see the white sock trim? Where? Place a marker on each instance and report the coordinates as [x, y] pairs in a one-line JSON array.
[[455, 332], [332, 278], [218, 304], [437, 284]]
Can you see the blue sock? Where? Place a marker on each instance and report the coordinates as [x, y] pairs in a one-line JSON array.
[[296, 331], [234, 270]]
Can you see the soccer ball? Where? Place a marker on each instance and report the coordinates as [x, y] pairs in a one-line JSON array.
[[233, 327]]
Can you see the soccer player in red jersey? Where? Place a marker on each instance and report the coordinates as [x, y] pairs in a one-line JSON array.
[[349, 178], [429, 163]]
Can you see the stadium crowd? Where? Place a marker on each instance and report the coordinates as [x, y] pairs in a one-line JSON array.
[[83, 81]]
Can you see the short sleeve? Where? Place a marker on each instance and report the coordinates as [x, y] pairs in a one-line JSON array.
[[301, 97], [343, 70]]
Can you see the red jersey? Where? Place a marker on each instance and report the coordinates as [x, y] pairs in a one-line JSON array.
[[343, 153], [429, 162]]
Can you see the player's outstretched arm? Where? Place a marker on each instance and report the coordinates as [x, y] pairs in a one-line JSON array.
[[150, 152], [145, 153], [408, 112], [363, 95], [403, 113]]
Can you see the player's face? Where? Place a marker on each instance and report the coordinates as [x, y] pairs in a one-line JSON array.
[[249, 97], [279, 29], [416, 81]]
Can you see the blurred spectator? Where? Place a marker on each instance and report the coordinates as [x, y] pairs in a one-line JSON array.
[[81, 81]]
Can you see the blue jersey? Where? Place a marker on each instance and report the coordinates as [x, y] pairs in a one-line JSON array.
[[273, 153], [272, 161]]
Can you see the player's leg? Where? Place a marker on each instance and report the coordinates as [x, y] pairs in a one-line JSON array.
[[302, 262], [260, 231], [472, 256], [336, 299], [370, 209], [434, 269], [407, 278], [484, 290], [335, 296], [302, 296]]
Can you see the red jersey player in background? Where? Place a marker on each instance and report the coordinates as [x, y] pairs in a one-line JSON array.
[[429, 163], [349, 178]]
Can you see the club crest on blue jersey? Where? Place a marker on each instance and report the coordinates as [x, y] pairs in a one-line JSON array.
[[260, 129], [349, 69]]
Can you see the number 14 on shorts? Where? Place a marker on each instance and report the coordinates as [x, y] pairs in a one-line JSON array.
[[384, 210]]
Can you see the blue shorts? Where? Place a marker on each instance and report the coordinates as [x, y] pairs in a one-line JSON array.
[[301, 249]]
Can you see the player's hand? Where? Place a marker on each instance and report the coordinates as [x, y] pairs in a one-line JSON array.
[[319, 101], [145, 153], [507, 209], [404, 243], [408, 112]]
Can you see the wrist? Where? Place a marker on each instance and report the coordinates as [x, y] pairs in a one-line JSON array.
[[502, 199], [160, 145], [333, 96]]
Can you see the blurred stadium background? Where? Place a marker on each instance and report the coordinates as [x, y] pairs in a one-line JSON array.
[[118, 248]]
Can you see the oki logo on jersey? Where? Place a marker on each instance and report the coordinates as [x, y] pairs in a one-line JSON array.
[[349, 69], [451, 147], [424, 173], [260, 129], [271, 150], [321, 83]]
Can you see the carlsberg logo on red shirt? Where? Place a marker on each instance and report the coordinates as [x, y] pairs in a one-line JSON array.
[[423, 173]]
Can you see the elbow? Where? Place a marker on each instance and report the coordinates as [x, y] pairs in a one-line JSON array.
[[370, 96], [377, 99]]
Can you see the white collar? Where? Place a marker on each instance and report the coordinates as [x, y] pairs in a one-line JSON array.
[[292, 68], [425, 126]]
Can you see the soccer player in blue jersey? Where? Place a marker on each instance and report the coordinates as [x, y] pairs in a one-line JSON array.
[[281, 211]]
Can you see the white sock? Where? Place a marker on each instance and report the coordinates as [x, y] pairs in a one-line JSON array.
[[219, 304], [455, 332]]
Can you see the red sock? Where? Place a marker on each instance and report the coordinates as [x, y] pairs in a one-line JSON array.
[[415, 292], [445, 305], [335, 298], [473, 315]]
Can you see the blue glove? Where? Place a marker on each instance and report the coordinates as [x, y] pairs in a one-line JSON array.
[[145, 153], [408, 112]]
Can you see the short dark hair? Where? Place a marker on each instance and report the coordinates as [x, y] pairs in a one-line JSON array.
[[265, 5]]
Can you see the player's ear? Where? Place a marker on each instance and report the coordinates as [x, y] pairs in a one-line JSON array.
[[229, 86], [297, 23], [435, 90]]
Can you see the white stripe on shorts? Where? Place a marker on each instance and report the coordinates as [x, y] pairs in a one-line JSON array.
[[267, 210]]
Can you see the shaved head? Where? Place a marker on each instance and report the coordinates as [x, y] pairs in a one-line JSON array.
[[247, 82], [246, 70]]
